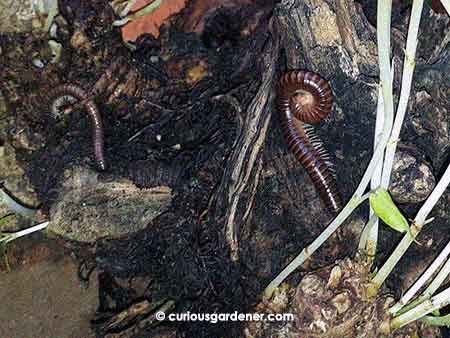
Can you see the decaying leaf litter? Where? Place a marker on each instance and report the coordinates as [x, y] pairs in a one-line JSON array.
[[175, 110]]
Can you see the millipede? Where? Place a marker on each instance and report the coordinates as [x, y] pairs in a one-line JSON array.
[[304, 98], [73, 94]]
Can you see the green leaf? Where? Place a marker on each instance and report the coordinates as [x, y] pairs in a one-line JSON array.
[[385, 208]]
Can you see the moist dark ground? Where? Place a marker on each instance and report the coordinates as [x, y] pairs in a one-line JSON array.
[[183, 253]]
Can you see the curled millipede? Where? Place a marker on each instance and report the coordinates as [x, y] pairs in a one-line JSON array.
[[72, 94], [305, 98]]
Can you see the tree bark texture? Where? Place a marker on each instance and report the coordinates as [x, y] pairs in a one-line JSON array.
[[195, 112]]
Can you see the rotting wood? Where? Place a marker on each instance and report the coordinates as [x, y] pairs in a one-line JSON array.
[[241, 176]]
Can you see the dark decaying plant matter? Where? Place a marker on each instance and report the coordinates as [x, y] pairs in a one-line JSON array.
[[194, 110]]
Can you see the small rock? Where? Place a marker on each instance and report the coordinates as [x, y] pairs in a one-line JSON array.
[[87, 212], [412, 179]]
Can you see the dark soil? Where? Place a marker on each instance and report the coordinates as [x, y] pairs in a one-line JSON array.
[[188, 128]]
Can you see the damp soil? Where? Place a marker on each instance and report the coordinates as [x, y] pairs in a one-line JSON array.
[[172, 110], [42, 295]]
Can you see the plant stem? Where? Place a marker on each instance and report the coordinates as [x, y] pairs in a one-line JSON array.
[[434, 197], [354, 202], [14, 205], [422, 280], [368, 242], [364, 239], [446, 4], [440, 300], [438, 280], [408, 70], [309, 250], [386, 269], [437, 321], [385, 104], [419, 221], [9, 237], [383, 39], [384, 43], [431, 289], [30, 230]]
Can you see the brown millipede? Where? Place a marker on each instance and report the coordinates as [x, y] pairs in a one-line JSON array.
[[70, 93], [305, 98]]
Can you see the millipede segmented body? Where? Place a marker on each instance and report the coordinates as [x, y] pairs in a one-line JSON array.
[[69, 93], [305, 98]]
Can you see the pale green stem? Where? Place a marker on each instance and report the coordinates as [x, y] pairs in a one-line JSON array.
[[309, 250], [446, 4], [437, 192], [408, 70], [384, 48], [422, 280], [386, 269], [372, 234], [435, 303], [431, 289], [386, 75], [383, 36], [370, 239], [438, 280], [5, 238], [363, 240], [437, 321], [16, 206], [419, 221]]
